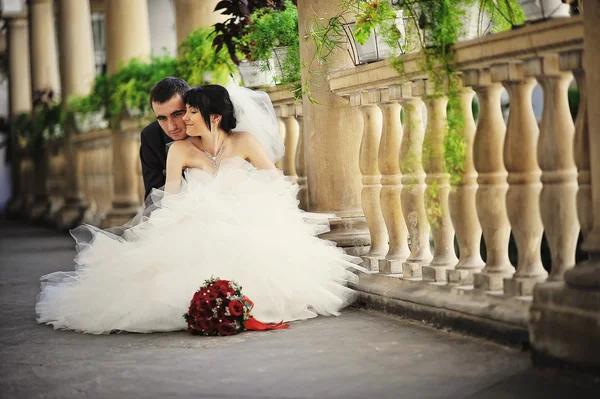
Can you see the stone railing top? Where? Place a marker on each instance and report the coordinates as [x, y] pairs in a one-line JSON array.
[[283, 101], [92, 135], [529, 41]]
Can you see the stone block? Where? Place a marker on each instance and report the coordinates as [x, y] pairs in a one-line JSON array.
[[460, 277], [393, 266], [371, 263], [434, 274], [411, 270], [489, 281], [520, 286]]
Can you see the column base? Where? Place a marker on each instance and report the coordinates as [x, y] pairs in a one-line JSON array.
[[119, 216], [564, 325], [435, 274], [461, 276], [348, 232], [412, 270], [70, 215], [371, 262], [490, 281], [521, 286], [391, 266], [38, 209]]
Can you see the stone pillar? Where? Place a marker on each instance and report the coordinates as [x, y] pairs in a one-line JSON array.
[[564, 315], [19, 98], [391, 182], [291, 142], [524, 186], [332, 134], [491, 195], [44, 65], [127, 37], [77, 76], [413, 184], [463, 211], [282, 133], [301, 162], [193, 14], [44, 75], [438, 187], [371, 179], [558, 200]]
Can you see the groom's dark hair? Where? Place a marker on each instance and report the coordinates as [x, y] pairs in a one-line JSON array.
[[166, 88]]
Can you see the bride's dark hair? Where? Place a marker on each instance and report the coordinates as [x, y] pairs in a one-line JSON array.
[[212, 99]]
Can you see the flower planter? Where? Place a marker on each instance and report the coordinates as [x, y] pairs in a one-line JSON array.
[[90, 121], [254, 77], [374, 49], [536, 10]]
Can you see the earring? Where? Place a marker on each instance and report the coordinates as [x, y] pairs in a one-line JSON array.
[[214, 129]]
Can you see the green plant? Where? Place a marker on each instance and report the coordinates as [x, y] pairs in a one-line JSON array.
[[269, 29], [198, 63]]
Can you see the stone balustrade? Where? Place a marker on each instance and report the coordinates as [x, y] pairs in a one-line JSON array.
[[518, 176], [291, 127]]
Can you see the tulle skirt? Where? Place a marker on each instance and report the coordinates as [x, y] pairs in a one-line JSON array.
[[241, 224]]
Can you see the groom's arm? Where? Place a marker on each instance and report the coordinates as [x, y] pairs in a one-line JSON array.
[[153, 165]]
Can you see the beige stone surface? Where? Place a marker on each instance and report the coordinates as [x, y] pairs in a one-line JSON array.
[[44, 55], [192, 14]]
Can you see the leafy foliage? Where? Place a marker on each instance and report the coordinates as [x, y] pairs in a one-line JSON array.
[[239, 11], [198, 62]]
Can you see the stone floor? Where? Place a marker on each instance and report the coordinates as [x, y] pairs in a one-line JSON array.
[[358, 355]]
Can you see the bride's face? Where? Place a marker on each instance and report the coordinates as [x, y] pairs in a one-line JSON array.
[[194, 122]]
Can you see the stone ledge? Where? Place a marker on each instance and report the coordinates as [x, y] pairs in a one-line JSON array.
[[493, 316]]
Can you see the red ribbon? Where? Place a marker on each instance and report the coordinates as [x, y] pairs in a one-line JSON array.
[[254, 325]]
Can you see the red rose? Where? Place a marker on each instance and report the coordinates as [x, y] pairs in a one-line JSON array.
[[204, 325], [226, 328], [212, 293], [204, 306], [236, 308], [224, 287]]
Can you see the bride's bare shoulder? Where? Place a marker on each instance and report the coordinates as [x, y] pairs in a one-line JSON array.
[[243, 138]]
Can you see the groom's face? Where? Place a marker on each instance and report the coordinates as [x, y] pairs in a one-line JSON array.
[[170, 117]]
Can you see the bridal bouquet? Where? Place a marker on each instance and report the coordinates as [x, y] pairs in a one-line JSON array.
[[220, 308]]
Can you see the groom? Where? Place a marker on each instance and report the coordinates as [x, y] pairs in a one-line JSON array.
[[166, 100]]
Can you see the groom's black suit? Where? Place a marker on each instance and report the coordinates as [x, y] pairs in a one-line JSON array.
[[153, 155]]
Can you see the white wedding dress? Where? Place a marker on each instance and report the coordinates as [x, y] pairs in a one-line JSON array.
[[241, 224]]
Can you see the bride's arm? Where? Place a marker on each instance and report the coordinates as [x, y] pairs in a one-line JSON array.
[[176, 161]]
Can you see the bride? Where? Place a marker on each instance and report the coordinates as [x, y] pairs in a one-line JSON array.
[[233, 216]]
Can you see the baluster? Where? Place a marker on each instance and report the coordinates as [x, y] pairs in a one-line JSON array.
[[524, 185], [491, 195], [88, 156], [282, 132], [413, 183], [573, 61], [368, 164], [301, 161], [438, 187], [463, 211], [391, 182], [291, 142], [558, 199]]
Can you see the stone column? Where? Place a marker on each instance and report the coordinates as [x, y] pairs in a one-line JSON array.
[[301, 161], [371, 179], [332, 134], [524, 186], [564, 315], [391, 182], [193, 14], [413, 183], [77, 76], [44, 65], [491, 195], [558, 200], [19, 98], [44, 75], [438, 187], [463, 211], [127, 37], [291, 142]]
